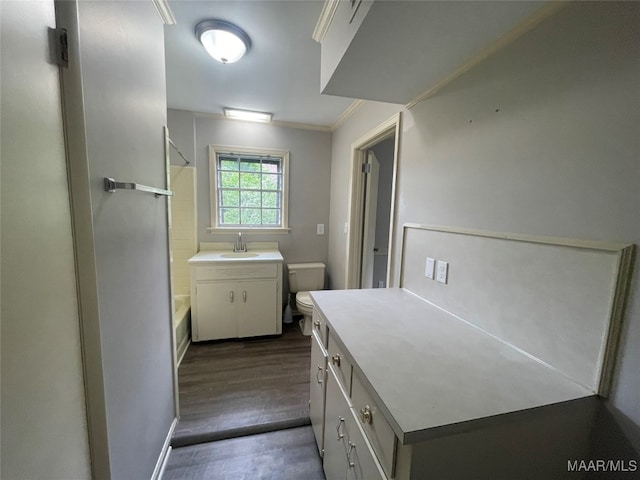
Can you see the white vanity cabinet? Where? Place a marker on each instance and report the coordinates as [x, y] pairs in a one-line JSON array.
[[235, 299], [347, 453], [346, 448], [318, 382], [404, 401]]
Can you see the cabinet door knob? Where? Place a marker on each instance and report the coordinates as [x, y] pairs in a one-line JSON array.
[[335, 359], [244, 296], [316, 323], [366, 414], [231, 296]]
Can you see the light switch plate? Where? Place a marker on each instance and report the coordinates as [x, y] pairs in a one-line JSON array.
[[429, 267], [442, 269], [320, 229]]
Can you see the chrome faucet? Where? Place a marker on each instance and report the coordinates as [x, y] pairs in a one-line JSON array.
[[239, 246]]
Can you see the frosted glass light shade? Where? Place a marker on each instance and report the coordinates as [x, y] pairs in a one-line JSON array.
[[224, 41]]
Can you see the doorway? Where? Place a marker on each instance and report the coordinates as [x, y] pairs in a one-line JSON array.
[[373, 182]]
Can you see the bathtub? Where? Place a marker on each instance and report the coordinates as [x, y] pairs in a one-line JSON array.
[[182, 324]]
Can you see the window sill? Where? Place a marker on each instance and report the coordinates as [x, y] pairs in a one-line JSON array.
[[234, 231]]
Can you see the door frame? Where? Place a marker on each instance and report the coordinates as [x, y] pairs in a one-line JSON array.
[[369, 220], [172, 306], [387, 129]]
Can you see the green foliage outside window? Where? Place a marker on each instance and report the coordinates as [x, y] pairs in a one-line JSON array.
[[249, 190]]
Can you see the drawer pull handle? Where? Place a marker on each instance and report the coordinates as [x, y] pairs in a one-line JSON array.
[[318, 375], [335, 359], [366, 414], [244, 296], [350, 463], [231, 296], [340, 423]]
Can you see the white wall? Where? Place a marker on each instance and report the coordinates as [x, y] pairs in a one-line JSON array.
[[44, 428], [309, 178], [560, 157]]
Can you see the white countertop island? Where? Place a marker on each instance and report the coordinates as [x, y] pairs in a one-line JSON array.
[[432, 373]]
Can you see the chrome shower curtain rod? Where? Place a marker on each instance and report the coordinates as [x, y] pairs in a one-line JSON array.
[[175, 147]]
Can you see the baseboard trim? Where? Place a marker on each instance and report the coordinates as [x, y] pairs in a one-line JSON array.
[[164, 454]]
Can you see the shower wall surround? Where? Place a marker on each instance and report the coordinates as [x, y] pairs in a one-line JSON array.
[[183, 232]]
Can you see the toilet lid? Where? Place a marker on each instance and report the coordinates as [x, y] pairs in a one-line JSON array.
[[304, 298]]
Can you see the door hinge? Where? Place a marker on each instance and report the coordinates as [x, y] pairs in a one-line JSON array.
[[366, 168], [60, 46]]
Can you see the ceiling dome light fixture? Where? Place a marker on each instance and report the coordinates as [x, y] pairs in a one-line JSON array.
[[224, 41]]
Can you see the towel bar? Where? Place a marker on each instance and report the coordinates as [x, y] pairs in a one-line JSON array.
[[110, 185]]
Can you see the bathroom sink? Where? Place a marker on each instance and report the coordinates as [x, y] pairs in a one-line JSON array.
[[258, 252], [239, 255]]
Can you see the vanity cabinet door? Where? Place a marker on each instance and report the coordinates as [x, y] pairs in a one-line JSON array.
[[236, 300], [317, 382], [257, 307], [216, 311], [347, 454]]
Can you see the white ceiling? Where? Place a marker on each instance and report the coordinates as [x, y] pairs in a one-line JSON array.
[[280, 74], [425, 40]]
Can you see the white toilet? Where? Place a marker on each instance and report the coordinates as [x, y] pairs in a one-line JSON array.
[[303, 278]]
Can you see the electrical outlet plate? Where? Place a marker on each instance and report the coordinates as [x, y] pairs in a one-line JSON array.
[[442, 269], [429, 268]]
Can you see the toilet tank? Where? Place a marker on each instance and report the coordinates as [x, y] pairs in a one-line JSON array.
[[304, 277]]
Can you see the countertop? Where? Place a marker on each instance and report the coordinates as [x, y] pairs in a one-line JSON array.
[[228, 256], [431, 372]]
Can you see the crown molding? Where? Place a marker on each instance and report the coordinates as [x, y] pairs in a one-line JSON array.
[[324, 21], [506, 39], [351, 109], [165, 11]]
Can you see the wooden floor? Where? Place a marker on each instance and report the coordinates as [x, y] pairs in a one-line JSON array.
[[289, 454], [244, 410], [238, 387]]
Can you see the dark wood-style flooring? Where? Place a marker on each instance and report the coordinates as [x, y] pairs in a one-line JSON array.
[[244, 410], [289, 454]]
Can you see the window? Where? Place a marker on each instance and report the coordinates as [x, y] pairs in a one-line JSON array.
[[249, 188]]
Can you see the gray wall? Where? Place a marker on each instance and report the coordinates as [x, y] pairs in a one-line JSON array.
[[366, 118], [44, 428], [309, 178], [182, 131], [560, 157], [115, 106]]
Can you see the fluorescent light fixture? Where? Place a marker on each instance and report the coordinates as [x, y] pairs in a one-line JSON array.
[[224, 41], [247, 115]]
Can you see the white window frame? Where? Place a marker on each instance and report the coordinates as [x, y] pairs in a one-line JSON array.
[[215, 227]]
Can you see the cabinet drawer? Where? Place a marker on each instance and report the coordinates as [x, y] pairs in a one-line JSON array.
[[375, 426], [340, 363], [320, 327], [347, 452], [228, 272]]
